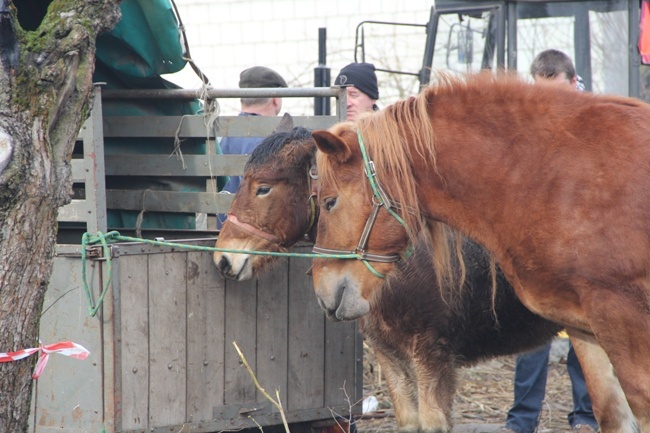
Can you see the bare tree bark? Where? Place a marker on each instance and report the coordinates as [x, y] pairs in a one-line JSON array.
[[45, 91]]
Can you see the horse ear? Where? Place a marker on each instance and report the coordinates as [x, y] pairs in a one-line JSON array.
[[331, 144], [285, 125]]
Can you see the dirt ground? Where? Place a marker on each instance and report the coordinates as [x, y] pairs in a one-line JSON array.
[[483, 399]]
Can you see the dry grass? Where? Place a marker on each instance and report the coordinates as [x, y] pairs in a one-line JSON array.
[[484, 396]]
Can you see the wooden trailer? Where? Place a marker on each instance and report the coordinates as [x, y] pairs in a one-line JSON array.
[[162, 354]]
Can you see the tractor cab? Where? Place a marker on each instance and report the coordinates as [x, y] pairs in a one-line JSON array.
[[465, 36]]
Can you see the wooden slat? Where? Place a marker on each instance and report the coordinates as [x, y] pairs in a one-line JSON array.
[[78, 170], [168, 350], [164, 165], [194, 126], [75, 211], [134, 342], [205, 337], [272, 329], [69, 392], [241, 309], [340, 364], [306, 333], [168, 201]]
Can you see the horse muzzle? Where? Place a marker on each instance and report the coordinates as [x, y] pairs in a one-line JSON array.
[[342, 301]]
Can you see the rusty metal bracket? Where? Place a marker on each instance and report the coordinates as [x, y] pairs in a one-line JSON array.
[[97, 252]]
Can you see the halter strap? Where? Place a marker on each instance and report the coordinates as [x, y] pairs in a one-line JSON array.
[[380, 199], [360, 250], [311, 175], [254, 230]]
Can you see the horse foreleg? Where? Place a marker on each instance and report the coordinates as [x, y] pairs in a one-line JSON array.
[[402, 388], [610, 406], [620, 320], [436, 380]]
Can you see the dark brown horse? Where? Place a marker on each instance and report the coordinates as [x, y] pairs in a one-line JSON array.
[[420, 333], [555, 184]]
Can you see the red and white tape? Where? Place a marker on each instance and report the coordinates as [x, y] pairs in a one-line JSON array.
[[67, 348]]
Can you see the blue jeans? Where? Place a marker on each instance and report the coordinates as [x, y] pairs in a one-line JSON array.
[[530, 387]]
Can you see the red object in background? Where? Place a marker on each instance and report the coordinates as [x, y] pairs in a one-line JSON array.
[[342, 426], [644, 32]]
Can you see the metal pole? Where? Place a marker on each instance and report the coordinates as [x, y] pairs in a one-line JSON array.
[[633, 51], [322, 75]]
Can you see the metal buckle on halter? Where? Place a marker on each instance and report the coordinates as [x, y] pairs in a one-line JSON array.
[[371, 166]]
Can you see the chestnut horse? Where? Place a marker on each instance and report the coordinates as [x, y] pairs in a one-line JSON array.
[[421, 334], [554, 183]]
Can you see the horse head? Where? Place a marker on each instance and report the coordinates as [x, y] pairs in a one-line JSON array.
[[344, 287], [272, 209]]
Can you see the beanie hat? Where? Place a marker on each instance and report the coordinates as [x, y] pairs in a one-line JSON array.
[[260, 76], [360, 75]]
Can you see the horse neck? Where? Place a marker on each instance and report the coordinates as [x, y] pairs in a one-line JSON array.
[[467, 189], [465, 175]]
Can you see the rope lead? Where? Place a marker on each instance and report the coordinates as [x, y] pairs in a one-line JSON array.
[[106, 238]]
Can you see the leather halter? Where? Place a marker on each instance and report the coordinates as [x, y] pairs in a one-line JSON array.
[[380, 199], [253, 230]]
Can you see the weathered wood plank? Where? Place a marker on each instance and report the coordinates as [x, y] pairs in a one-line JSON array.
[[69, 386], [168, 201], [168, 349], [241, 327], [272, 329], [205, 337], [194, 125], [75, 211], [340, 364], [162, 165], [78, 170], [306, 334], [134, 342]]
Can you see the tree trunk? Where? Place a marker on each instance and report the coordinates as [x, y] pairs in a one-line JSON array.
[[46, 86]]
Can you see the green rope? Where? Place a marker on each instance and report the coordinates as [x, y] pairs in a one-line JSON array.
[[370, 174], [106, 238], [85, 240], [115, 236]]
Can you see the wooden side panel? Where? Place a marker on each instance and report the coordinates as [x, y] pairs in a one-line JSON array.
[[175, 366], [240, 327], [272, 330], [167, 330], [205, 337], [68, 394], [340, 365], [306, 333], [134, 342]]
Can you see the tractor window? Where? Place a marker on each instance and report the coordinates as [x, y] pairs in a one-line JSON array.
[[468, 45], [594, 35]]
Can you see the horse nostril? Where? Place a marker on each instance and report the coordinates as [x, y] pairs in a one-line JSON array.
[[224, 265]]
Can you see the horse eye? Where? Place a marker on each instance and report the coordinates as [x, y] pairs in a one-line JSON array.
[[329, 203], [263, 190]]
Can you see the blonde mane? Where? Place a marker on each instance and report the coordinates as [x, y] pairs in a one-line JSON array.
[[387, 135], [404, 131]]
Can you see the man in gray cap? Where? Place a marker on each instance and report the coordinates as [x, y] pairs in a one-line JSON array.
[[252, 78], [363, 91]]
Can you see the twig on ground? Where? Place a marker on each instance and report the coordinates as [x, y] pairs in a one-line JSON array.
[[278, 403]]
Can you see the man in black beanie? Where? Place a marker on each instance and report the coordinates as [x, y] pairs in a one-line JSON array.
[[363, 91]]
